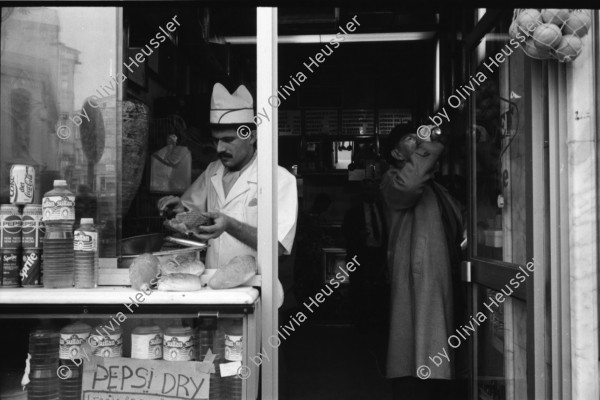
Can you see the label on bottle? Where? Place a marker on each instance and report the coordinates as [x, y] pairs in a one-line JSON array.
[[233, 347], [107, 346], [147, 347], [85, 241], [70, 345], [178, 348], [58, 208]]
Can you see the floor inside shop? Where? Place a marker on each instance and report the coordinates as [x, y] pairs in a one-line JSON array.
[[335, 362]]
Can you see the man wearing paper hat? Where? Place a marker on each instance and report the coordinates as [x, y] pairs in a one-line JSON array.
[[227, 189]]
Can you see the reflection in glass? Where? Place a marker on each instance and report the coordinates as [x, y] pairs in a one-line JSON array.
[[491, 380], [501, 367], [499, 142], [52, 61]]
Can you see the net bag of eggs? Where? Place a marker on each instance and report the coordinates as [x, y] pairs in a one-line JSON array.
[[552, 33]]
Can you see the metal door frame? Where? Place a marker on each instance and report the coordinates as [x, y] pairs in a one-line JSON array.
[[266, 85], [495, 274]]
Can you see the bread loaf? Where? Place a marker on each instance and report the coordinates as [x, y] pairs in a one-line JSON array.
[[179, 283], [193, 267], [143, 270], [237, 271]]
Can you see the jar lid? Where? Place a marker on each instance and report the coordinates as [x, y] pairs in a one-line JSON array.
[[179, 331], [147, 330], [43, 334], [107, 329], [87, 221], [60, 182], [76, 327]]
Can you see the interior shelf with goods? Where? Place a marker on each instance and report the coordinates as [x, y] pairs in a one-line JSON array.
[[321, 138], [79, 342]]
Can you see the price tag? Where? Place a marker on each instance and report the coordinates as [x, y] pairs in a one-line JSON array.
[[230, 369]]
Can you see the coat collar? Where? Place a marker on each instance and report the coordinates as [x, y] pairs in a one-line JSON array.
[[249, 175]]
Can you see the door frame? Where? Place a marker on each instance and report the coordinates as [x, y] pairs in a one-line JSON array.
[[267, 252], [495, 274]]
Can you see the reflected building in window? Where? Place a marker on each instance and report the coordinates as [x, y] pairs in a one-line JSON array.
[[51, 61]]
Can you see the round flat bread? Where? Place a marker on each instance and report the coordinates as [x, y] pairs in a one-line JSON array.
[[192, 219]]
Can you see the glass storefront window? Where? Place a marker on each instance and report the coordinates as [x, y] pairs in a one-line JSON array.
[[501, 341], [499, 133], [59, 106]]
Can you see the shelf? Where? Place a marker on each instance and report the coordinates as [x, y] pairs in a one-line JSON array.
[[340, 138], [340, 172], [334, 137], [124, 295]]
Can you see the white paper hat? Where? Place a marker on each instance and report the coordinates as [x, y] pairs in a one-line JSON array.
[[226, 108]]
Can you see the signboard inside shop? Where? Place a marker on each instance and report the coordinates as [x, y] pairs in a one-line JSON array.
[[130, 379]]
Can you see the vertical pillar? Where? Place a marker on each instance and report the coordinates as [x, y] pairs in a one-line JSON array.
[[266, 86], [583, 219]]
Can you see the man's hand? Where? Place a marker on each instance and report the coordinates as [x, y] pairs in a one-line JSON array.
[[224, 223], [221, 224], [170, 201]]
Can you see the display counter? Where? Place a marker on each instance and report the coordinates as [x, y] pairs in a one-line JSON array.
[[181, 345], [122, 295]]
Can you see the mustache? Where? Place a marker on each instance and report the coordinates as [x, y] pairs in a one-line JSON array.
[[224, 155]]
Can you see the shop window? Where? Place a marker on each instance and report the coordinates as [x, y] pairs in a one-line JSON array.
[[52, 61]]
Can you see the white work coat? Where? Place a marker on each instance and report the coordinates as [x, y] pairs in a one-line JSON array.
[[241, 203]]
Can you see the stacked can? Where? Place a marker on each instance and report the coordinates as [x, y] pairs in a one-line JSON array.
[[11, 225], [22, 191], [22, 184], [33, 235]]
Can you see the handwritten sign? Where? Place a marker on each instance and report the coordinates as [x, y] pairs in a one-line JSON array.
[[130, 379]]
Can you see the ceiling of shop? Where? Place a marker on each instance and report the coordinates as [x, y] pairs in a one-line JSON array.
[[384, 74], [214, 23], [306, 21]]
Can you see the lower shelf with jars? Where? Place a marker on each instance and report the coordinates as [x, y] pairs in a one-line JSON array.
[[119, 351]]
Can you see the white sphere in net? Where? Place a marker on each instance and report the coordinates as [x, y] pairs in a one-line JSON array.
[[547, 36], [529, 19], [556, 16], [578, 23], [569, 48]]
